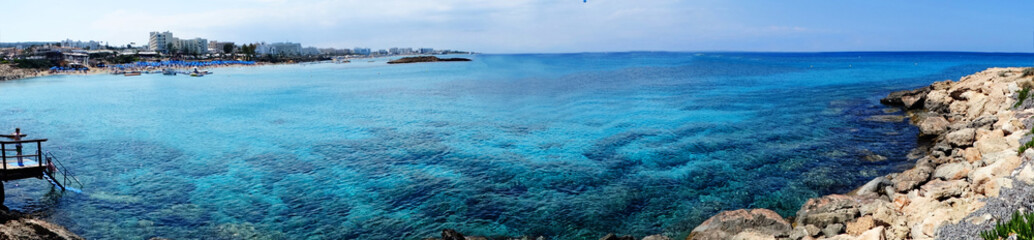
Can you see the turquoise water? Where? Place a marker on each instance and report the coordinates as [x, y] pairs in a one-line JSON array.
[[570, 146]]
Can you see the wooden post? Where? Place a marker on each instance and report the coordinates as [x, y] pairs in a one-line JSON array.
[[3, 154], [39, 152]]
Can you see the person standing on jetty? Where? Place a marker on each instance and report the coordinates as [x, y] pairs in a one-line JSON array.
[[17, 136]]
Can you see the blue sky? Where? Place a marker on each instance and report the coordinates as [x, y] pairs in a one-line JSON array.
[[538, 26]]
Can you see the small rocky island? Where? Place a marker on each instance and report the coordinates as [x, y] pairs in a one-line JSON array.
[[426, 59]]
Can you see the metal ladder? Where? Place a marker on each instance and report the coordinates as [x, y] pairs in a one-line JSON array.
[[54, 168]]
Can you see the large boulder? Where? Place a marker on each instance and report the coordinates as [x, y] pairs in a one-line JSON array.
[[938, 189], [862, 224], [827, 210], [911, 178], [952, 171], [727, 224], [962, 138], [933, 126], [938, 101], [910, 99]]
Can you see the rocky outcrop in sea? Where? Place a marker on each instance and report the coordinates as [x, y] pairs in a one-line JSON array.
[[969, 173], [15, 225], [426, 59], [8, 72]]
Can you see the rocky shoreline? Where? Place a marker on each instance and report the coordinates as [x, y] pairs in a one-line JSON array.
[[968, 173], [7, 72], [15, 225]]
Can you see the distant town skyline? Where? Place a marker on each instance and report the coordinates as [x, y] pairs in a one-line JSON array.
[[543, 26]]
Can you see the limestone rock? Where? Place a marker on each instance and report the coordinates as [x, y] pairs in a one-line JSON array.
[[911, 178], [939, 189], [830, 209], [1026, 175], [962, 137], [833, 229], [952, 171], [798, 233], [990, 141], [872, 234], [752, 235], [860, 225], [656, 237], [983, 122], [812, 230], [932, 126], [937, 101], [873, 186], [730, 223]]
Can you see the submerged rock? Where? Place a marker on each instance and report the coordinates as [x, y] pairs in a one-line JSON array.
[[449, 234]]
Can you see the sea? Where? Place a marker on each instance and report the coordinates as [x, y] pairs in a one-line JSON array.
[[565, 146]]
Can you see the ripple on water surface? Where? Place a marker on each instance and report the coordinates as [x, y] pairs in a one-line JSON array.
[[571, 146]]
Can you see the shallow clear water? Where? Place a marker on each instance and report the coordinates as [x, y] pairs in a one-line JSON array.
[[569, 146]]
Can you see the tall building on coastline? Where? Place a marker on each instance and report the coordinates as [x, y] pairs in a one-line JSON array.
[[159, 41], [361, 51]]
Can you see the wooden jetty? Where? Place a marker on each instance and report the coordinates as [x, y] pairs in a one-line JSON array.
[[22, 164]]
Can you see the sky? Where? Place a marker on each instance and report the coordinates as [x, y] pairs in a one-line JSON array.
[[543, 26]]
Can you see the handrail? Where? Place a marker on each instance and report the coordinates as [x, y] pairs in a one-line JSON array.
[[65, 172], [24, 141]]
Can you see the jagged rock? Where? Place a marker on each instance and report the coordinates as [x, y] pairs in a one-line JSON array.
[[833, 229], [990, 141], [910, 99], [938, 101], [752, 235], [938, 189], [1026, 174], [15, 225], [860, 225], [972, 155], [798, 233], [449, 234], [942, 85], [962, 138], [872, 234], [729, 223], [952, 171], [873, 186], [913, 101], [983, 122], [812, 230], [932, 126], [977, 101], [827, 210], [656, 237], [911, 178], [958, 106]]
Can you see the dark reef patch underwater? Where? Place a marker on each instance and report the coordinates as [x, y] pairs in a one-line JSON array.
[[571, 146]]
